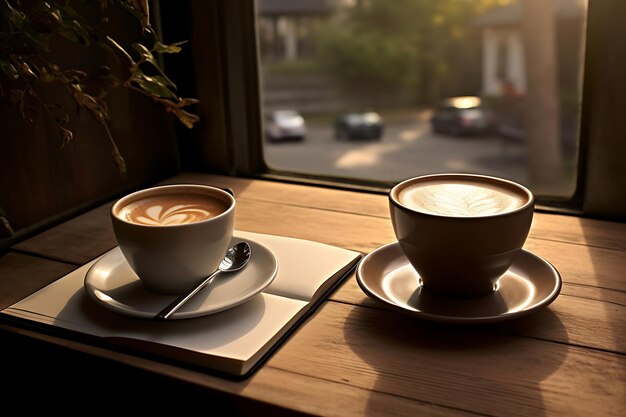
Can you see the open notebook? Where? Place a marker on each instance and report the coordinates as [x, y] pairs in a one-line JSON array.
[[234, 342]]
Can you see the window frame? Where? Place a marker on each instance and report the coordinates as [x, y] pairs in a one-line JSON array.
[[231, 141]]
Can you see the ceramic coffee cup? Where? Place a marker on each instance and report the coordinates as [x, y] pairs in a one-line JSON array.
[[173, 236], [461, 232]]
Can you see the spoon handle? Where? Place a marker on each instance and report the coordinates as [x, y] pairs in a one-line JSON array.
[[177, 303]]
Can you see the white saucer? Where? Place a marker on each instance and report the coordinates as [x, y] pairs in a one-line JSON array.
[[112, 283], [386, 276]]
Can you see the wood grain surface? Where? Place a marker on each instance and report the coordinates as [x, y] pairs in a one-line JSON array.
[[356, 357]]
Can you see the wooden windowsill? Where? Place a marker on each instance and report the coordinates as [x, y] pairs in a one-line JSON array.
[[355, 357]]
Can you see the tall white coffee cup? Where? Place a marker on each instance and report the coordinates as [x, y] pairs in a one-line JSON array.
[[173, 236]]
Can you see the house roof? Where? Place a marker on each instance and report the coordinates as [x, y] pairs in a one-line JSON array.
[[511, 14]]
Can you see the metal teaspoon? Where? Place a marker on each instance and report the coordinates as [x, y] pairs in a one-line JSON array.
[[236, 258]]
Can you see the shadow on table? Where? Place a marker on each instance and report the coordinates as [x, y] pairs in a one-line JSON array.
[[480, 369]]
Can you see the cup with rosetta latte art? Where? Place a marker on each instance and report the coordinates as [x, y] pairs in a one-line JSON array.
[[173, 236], [461, 232]]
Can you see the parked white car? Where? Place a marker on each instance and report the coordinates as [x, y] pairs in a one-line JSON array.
[[285, 125]]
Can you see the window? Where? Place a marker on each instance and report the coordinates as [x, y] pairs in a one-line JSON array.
[[230, 62], [483, 86]]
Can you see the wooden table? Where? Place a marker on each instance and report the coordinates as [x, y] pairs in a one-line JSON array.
[[355, 357]]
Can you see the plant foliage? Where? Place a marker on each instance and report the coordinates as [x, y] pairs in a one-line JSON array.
[[425, 46], [29, 32]]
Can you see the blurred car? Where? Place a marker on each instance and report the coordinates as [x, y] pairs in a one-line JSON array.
[[359, 125], [463, 115], [285, 125]]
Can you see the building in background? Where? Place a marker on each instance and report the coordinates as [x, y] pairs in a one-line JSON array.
[[504, 71], [287, 28]]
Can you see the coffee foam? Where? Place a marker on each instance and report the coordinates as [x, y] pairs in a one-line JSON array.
[[460, 198], [172, 209]]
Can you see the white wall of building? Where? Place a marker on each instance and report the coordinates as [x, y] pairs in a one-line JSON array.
[[503, 58]]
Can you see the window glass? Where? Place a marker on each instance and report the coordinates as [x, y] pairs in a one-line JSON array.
[[384, 90]]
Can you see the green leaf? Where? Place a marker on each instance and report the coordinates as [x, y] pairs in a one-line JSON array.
[[9, 70], [74, 31], [56, 16], [152, 85], [186, 118], [184, 102], [66, 135], [141, 10], [183, 116], [97, 108], [45, 76], [167, 49], [164, 80], [14, 16], [27, 71], [144, 52], [27, 31], [164, 77], [81, 32], [75, 76]]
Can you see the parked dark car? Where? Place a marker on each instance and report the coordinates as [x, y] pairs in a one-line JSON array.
[[285, 125], [359, 125], [463, 115]]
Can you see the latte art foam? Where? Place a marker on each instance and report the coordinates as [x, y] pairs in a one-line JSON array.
[[460, 199], [179, 214], [172, 209]]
